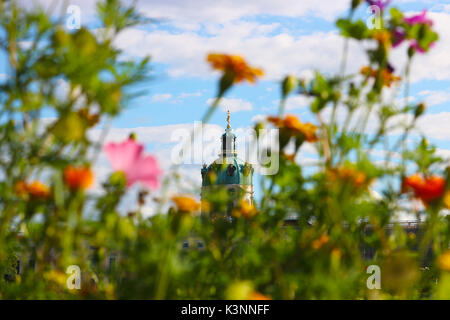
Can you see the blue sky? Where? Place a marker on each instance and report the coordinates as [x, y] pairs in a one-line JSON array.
[[281, 37]]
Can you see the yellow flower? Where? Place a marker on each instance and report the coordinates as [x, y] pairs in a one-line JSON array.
[[245, 209], [255, 295], [56, 276], [236, 65], [34, 189], [447, 199], [444, 261], [243, 290], [186, 203], [383, 37], [38, 190]]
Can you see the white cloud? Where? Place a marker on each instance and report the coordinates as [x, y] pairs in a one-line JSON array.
[[161, 97], [204, 11], [233, 105], [435, 97], [435, 125], [277, 55]]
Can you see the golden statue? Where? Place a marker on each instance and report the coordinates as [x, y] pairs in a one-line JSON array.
[[228, 119]]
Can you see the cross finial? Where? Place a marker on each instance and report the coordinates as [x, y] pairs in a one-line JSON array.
[[228, 119]]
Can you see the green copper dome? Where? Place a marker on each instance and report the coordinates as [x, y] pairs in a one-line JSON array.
[[228, 168]]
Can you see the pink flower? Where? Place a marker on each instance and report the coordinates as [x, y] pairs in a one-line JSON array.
[[419, 19], [128, 158], [415, 45], [399, 37], [379, 3]]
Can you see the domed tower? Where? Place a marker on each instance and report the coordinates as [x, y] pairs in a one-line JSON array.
[[228, 173]]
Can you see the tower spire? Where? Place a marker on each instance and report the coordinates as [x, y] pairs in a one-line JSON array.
[[228, 119]]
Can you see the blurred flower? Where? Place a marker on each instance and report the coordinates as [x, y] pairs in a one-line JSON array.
[[56, 277], [379, 3], [447, 199], [444, 261], [416, 46], [21, 188], [235, 64], [348, 174], [289, 83], [383, 37], [428, 189], [78, 178], [186, 204], [255, 295], [38, 190], [318, 243], [399, 36], [244, 209], [387, 75], [35, 189], [243, 290], [295, 126], [128, 158], [419, 19]]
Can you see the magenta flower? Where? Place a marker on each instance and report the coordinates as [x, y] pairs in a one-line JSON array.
[[415, 45], [419, 19], [137, 167], [379, 3], [399, 36]]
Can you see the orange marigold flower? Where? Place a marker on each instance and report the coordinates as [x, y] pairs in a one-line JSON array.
[[428, 189], [295, 126], [348, 174], [186, 203], [21, 188], [383, 37], [38, 190], [78, 178], [245, 209], [318, 243], [387, 76], [255, 295], [235, 64]]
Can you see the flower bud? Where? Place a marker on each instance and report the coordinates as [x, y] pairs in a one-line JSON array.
[[289, 83]]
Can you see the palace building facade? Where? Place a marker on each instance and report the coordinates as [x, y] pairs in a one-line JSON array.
[[228, 173]]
